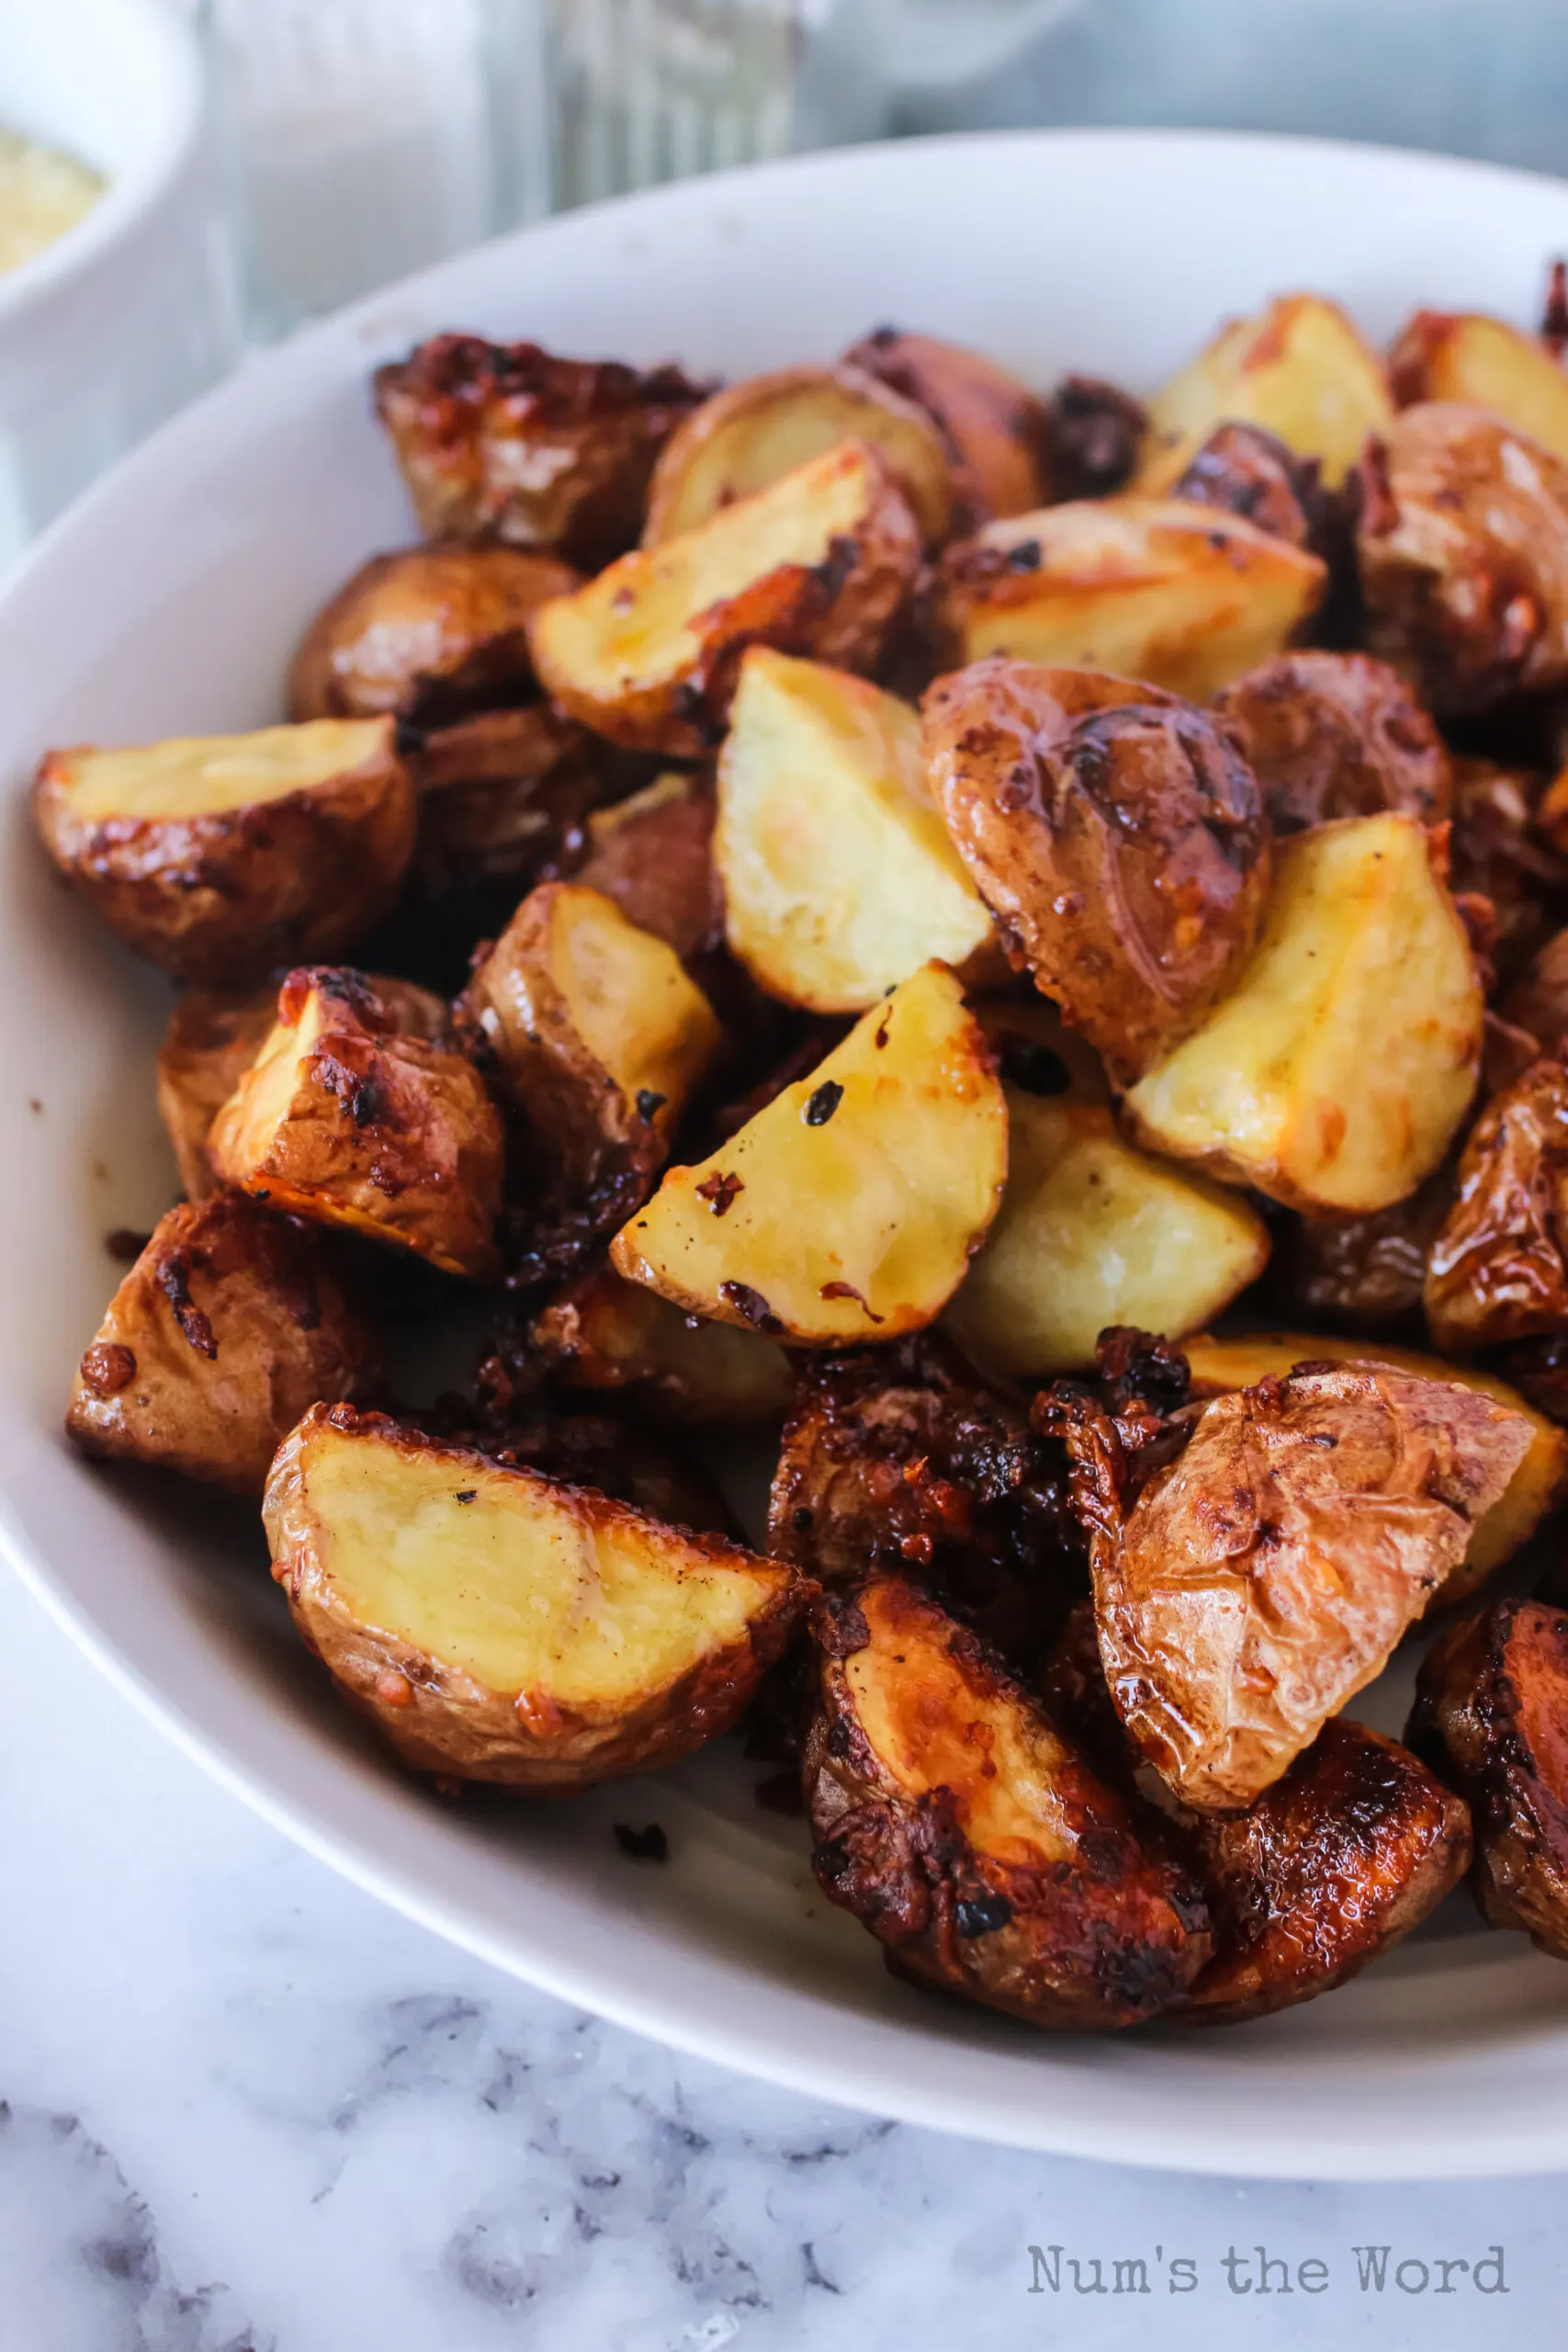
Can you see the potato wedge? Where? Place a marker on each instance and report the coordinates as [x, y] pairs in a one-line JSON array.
[[501, 794], [838, 873], [1258, 1580], [425, 633], [226, 1329], [850, 1208], [346, 1120], [751, 435], [1244, 470], [508, 440], [1496, 1271], [955, 1822], [498, 1625], [818, 563], [1300, 369], [1459, 356], [1335, 1074], [1116, 836], [610, 1336], [222, 857], [653, 855], [993, 426], [1222, 1365], [1331, 735], [1491, 1703], [1090, 1233], [1182, 597]]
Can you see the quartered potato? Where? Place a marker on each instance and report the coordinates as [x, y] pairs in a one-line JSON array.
[[1299, 369], [849, 1208], [653, 855], [1334, 1075], [1495, 1271], [1244, 470], [499, 1625], [1092, 1232], [1116, 836], [749, 436], [1221, 1366], [818, 563], [614, 1337], [345, 1119], [1257, 1582], [222, 856], [1331, 735], [226, 1329], [1182, 597], [1458, 355], [993, 426], [426, 633], [506, 440], [1490, 1703], [501, 794], [838, 873], [956, 1821]]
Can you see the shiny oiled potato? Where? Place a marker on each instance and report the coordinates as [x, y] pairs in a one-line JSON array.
[[993, 426], [222, 856], [614, 1337], [226, 1329], [499, 1625], [849, 1208], [653, 854], [1118, 837], [1495, 1271], [345, 1119], [955, 1820], [1331, 735], [1334, 1075], [1463, 355], [1257, 1582], [425, 633], [1491, 1701], [1244, 470], [1183, 597], [749, 435], [838, 873], [501, 794], [1300, 369], [1541, 1481], [1361, 1274], [818, 563]]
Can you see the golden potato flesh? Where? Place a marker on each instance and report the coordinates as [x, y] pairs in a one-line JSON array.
[[993, 426], [1180, 596], [1331, 735], [1090, 1233], [1300, 369], [226, 1329], [1334, 1075], [653, 854], [499, 1625], [344, 1119], [1263, 1578], [606, 1335], [956, 1821], [1496, 1269], [747, 437], [1118, 837], [1449, 356], [838, 873], [818, 563], [1221, 1366], [849, 1208], [222, 857]]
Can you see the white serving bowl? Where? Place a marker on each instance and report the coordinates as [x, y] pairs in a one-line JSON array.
[[168, 602], [118, 322]]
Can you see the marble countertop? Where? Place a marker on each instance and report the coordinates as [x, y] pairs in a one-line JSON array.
[[247, 2109]]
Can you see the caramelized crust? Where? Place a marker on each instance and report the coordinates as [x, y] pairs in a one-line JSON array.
[[992, 425], [1331, 735], [1244, 470], [1495, 1271]]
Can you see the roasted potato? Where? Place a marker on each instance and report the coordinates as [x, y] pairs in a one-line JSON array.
[[1462, 547], [1093, 434], [1182, 597], [1221, 1366], [222, 856], [837, 875], [606, 1335], [346, 1120], [1257, 1581], [1490, 1703], [1335, 1074], [1244, 470], [1299, 369], [501, 794], [1500, 849], [1361, 1274], [749, 436], [427, 634], [1331, 735], [958, 1825], [1495, 1271], [1448, 355], [506, 439], [1116, 836], [226, 1329], [1038, 1054], [601, 1450], [653, 855], [499, 1625], [992, 426], [1537, 1003], [849, 1208]]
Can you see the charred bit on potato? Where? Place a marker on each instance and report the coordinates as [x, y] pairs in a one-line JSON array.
[[1093, 430]]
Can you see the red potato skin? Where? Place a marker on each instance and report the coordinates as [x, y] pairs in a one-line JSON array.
[[1331, 735], [993, 426], [1495, 1271]]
